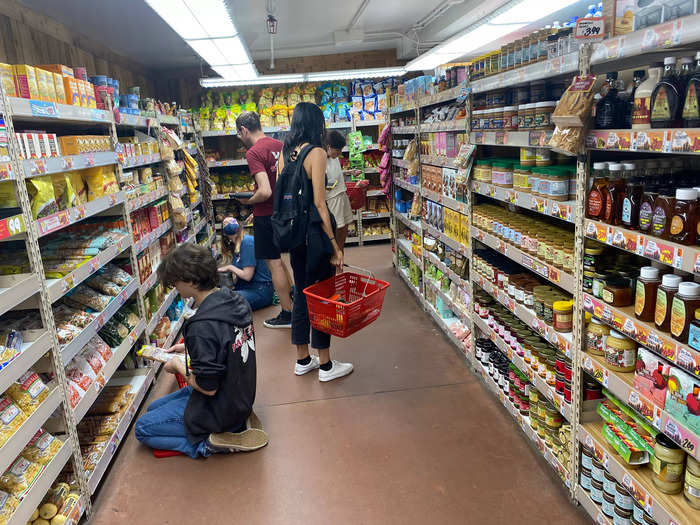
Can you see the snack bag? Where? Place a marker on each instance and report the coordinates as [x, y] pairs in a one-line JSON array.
[[101, 181], [340, 91], [370, 104], [381, 102], [66, 196], [78, 185], [42, 197], [153, 353], [11, 418], [8, 198]]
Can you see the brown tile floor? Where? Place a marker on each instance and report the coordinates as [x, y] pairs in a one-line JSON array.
[[410, 437]]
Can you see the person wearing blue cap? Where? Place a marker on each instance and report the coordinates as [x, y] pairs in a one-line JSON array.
[[245, 274]]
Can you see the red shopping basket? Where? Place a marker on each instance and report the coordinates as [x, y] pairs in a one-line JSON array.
[[345, 303], [357, 193]]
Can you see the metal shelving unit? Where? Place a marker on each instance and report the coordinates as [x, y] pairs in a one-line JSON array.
[[33, 290], [625, 52]]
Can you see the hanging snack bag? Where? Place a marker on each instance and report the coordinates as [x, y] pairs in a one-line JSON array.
[[370, 104], [29, 391], [11, 418], [42, 447], [43, 200]]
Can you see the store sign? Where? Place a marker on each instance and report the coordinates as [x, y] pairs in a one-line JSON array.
[[590, 28]]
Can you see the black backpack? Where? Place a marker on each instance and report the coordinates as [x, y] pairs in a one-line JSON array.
[[290, 215]]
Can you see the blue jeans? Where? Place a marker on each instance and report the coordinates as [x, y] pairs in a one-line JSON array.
[[163, 425], [258, 295]]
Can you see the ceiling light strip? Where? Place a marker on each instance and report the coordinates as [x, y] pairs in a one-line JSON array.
[[381, 72]]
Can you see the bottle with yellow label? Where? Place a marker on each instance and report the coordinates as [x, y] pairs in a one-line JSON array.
[[666, 98], [664, 300], [685, 302]]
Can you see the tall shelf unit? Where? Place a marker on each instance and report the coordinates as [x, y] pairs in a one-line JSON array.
[[42, 351], [361, 217], [463, 300]]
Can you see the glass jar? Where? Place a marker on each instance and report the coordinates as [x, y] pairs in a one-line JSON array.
[[667, 464], [510, 118], [620, 352], [563, 316], [543, 114], [521, 176]]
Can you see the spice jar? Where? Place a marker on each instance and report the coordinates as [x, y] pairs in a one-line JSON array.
[[664, 300], [529, 117], [683, 307], [621, 516], [691, 486], [646, 291], [563, 316], [557, 187], [617, 292], [609, 483], [620, 352], [667, 464]]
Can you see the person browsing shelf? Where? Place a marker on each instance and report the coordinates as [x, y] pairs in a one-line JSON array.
[[336, 193], [262, 156]]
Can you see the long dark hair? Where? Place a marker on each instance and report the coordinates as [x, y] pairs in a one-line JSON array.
[[308, 126]]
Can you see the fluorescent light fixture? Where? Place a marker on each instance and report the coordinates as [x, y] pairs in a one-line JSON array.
[[359, 73], [195, 18], [209, 51], [237, 72], [213, 16], [514, 16], [233, 50]]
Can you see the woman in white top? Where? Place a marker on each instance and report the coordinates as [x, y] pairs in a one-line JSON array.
[[337, 199]]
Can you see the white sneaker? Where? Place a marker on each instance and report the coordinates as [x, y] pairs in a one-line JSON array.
[[337, 370], [300, 370]]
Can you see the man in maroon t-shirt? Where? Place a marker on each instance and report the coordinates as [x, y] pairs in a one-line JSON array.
[[262, 155]]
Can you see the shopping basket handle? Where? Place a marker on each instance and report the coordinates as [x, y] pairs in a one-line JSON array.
[[359, 268]]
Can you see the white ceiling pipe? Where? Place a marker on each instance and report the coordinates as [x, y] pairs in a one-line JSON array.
[[360, 11]]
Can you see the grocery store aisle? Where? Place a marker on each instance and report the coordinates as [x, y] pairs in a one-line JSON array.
[[410, 437]]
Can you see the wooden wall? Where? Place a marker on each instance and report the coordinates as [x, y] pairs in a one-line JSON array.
[[29, 37]]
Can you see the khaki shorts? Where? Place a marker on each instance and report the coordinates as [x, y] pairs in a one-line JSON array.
[[339, 206]]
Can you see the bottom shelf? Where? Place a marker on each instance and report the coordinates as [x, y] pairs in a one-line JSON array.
[[593, 509], [139, 381], [34, 495], [416, 291]]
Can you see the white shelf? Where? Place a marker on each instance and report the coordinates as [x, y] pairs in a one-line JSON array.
[[46, 166], [404, 130], [11, 449], [439, 160], [518, 139], [145, 199], [545, 69], [552, 208], [443, 238], [552, 274], [446, 125], [140, 160], [591, 507], [198, 227], [446, 201], [405, 247], [400, 163], [34, 495], [139, 381], [59, 287], [118, 355], [135, 121], [227, 163], [413, 225], [382, 237], [15, 289], [24, 108], [404, 275], [366, 215], [435, 261], [69, 351], [64, 218], [35, 344], [197, 201]]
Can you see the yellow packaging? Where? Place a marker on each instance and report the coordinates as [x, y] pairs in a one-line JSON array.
[[70, 87], [464, 226], [90, 92], [82, 91], [62, 70], [7, 77], [58, 88], [25, 81], [44, 80]]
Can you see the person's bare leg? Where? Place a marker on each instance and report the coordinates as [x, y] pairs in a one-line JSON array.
[[340, 235], [302, 351], [286, 264], [324, 355], [280, 280]]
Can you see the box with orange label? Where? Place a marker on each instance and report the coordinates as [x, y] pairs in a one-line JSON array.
[[70, 87], [25, 82], [58, 68]]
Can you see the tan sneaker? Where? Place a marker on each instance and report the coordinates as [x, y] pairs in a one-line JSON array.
[[247, 441]]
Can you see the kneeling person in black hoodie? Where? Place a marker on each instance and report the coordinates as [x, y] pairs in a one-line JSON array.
[[219, 340]]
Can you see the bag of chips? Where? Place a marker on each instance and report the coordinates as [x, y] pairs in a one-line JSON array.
[[29, 391], [66, 196], [78, 184], [101, 181]]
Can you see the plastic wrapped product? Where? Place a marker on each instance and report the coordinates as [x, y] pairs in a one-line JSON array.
[[69, 510], [11, 418], [65, 194], [8, 505], [29, 391], [101, 181], [42, 448], [20, 475], [42, 196], [116, 275], [73, 316], [86, 296], [102, 285], [80, 373], [75, 393], [94, 359], [153, 353], [96, 344]]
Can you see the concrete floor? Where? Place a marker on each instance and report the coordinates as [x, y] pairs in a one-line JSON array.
[[410, 437]]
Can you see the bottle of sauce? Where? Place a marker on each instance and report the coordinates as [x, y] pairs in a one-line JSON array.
[[664, 299], [641, 116], [630, 92], [684, 76], [646, 292], [683, 307], [660, 221], [684, 217], [631, 204], [666, 98], [646, 211], [607, 108], [691, 106], [595, 203], [614, 195]]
